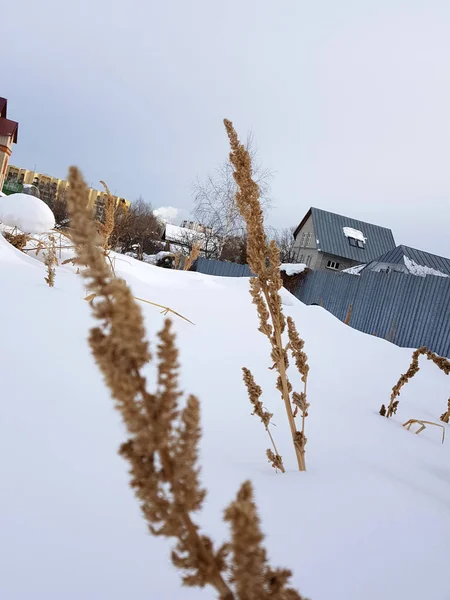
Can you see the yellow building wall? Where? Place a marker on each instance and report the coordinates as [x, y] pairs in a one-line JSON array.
[[61, 184]]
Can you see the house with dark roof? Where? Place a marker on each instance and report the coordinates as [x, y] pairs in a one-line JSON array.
[[404, 259], [328, 241]]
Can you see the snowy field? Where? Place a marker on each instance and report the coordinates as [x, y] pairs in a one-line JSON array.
[[369, 520]]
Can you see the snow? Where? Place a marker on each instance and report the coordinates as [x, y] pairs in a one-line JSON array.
[[354, 233], [356, 270], [184, 236], [370, 519], [152, 259], [420, 270], [26, 212], [292, 268]]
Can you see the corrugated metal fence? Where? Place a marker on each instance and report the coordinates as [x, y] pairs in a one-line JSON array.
[[407, 310], [221, 268]]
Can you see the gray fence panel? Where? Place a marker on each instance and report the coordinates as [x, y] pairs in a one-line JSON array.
[[407, 310], [220, 268]]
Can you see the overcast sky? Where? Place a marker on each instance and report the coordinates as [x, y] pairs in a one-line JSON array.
[[348, 101]]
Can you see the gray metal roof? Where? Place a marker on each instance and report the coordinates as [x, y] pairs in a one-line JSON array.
[[328, 228], [424, 259]]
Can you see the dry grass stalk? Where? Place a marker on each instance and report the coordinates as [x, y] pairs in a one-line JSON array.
[[446, 415], [193, 255], [18, 240], [162, 448], [254, 394], [165, 309], [264, 260], [253, 577], [50, 262], [422, 426], [439, 361], [177, 260], [105, 229]]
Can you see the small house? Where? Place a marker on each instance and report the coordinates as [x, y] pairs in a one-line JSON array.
[[328, 241]]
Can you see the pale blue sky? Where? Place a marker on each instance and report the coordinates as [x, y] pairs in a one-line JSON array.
[[349, 101]]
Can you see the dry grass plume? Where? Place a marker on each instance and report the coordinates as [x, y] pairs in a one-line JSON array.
[[193, 255], [439, 361], [163, 435], [264, 260], [105, 229], [18, 240], [446, 415], [50, 261]]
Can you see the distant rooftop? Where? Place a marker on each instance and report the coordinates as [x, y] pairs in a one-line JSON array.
[[7, 127]]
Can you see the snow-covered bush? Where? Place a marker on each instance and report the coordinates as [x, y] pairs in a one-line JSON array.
[[27, 213]]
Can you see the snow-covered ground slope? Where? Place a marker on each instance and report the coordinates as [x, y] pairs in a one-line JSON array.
[[369, 520]]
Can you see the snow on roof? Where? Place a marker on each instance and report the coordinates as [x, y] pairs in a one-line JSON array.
[[354, 233], [420, 270], [182, 235], [292, 269], [354, 270]]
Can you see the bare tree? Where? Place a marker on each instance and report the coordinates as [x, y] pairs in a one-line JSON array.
[[235, 249], [59, 208], [136, 228], [285, 241], [187, 238], [214, 198]]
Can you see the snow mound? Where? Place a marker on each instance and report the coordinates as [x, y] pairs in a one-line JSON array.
[[354, 233], [375, 498], [26, 212], [292, 269], [420, 270]]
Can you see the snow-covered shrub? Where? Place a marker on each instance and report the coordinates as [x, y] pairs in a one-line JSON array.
[[27, 213]]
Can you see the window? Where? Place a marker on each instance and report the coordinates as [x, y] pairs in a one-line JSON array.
[[302, 258], [308, 239], [303, 239], [331, 264], [308, 260], [356, 243]]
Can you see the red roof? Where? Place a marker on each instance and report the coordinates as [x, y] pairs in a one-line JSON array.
[[3, 107], [8, 127]]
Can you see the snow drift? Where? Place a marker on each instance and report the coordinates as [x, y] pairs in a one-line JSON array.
[[26, 212], [369, 520]]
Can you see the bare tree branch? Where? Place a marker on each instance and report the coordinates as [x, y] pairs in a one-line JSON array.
[[215, 198]]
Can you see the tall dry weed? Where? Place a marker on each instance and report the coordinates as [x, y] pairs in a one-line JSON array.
[[446, 415], [193, 255], [439, 361], [50, 261], [264, 260], [105, 229], [162, 449]]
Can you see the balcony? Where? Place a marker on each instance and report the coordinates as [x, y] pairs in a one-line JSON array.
[[12, 187]]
